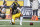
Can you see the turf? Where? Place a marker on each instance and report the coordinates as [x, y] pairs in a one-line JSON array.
[[25, 24]]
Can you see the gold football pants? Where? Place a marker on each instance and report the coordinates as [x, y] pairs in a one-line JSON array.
[[15, 16]]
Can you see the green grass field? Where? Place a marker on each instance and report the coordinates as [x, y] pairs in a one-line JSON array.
[[25, 24]]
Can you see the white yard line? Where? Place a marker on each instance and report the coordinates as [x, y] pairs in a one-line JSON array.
[[27, 21], [5, 20], [19, 21]]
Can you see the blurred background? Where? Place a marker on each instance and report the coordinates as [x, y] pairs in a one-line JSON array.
[[27, 5]]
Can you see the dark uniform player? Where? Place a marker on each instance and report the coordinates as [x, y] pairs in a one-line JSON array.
[[14, 11], [3, 11]]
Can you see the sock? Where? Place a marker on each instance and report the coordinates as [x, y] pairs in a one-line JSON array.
[[21, 18]]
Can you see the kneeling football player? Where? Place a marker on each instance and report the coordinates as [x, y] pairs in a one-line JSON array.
[[15, 13]]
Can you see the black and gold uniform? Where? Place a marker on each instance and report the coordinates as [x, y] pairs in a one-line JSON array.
[[14, 7], [15, 13]]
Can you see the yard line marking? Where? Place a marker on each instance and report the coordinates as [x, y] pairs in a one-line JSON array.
[[31, 21], [19, 21], [5, 20]]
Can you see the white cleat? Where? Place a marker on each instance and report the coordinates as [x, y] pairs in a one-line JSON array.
[[20, 23]]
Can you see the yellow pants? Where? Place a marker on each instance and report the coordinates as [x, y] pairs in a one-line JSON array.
[[15, 16]]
